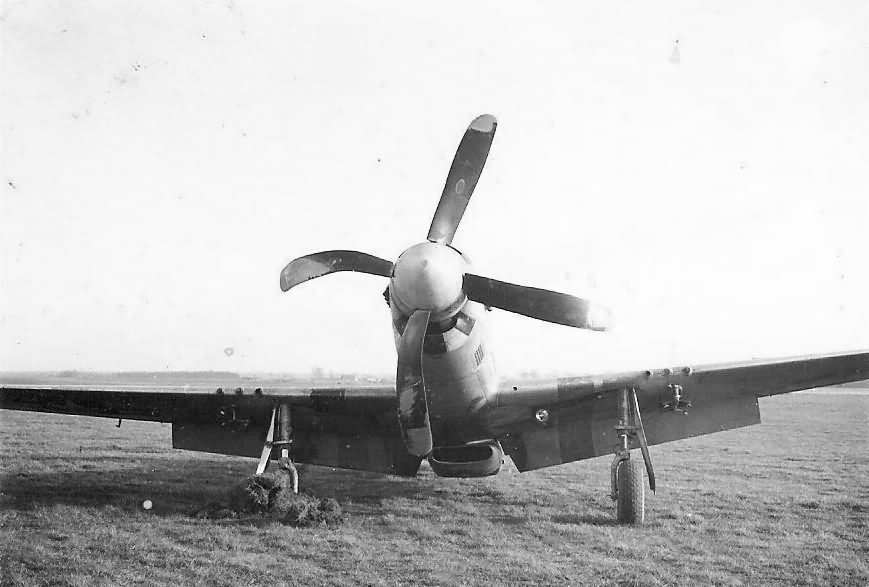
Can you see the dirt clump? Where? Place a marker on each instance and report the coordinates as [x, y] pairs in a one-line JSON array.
[[271, 495]]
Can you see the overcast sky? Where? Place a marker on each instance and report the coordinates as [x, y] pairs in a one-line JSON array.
[[699, 167]]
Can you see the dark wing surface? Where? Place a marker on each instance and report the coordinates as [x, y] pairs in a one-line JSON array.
[[352, 427], [568, 419]]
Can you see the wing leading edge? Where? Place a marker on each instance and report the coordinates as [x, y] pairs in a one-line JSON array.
[[568, 419], [539, 424], [346, 427]]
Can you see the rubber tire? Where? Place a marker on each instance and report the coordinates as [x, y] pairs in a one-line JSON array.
[[631, 500]]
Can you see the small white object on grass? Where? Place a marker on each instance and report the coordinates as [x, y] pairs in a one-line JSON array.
[[147, 504]]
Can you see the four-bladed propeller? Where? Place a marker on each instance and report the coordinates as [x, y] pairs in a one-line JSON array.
[[429, 279]]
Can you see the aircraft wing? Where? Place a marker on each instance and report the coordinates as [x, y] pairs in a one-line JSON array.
[[546, 423], [351, 427]]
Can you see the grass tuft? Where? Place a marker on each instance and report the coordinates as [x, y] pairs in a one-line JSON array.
[[271, 496]]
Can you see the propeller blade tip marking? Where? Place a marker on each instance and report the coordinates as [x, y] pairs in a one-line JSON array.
[[485, 123]]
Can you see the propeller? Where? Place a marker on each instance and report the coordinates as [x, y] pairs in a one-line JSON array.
[[430, 279], [462, 178], [318, 264], [410, 386], [542, 304]]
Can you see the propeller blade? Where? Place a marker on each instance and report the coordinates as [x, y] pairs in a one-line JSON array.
[[541, 304], [462, 178], [410, 387], [318, 264]]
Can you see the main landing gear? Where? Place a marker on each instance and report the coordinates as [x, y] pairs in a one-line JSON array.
[[626, 474], [280, 436]]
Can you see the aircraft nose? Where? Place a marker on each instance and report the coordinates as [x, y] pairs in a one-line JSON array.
[[428, 276]]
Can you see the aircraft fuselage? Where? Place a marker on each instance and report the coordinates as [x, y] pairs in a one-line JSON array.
[[458, 364]]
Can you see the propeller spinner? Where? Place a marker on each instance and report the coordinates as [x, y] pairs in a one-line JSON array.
[[429, 282]]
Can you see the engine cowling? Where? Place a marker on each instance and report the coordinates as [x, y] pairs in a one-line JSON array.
[[479, 459]]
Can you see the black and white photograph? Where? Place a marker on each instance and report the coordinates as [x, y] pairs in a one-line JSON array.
[[460, 293]]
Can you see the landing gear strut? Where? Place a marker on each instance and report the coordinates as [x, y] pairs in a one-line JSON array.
[[626, 475], [280, 436]]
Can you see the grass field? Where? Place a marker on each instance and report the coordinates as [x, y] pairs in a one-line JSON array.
[[783, 503]]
